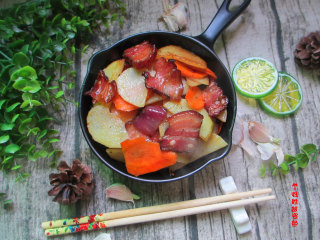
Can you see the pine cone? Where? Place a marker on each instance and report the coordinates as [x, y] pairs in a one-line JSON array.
[[71, 184], [307, 51]]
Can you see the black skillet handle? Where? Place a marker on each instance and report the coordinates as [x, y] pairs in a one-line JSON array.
[[220, 21]]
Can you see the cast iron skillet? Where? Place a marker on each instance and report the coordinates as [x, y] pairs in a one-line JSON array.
[[200, 45]]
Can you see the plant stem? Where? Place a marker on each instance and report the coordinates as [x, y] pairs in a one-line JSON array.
[[3, 54]]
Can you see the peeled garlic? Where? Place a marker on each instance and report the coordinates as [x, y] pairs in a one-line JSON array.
[[267, 150], [176, 17]]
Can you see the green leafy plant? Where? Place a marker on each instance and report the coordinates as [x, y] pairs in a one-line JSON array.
[[309, 153], [5, 201], [37, 45]]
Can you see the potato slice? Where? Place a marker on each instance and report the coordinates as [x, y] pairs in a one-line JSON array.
[[155, 98], [131, 87], [206, 126], [182, 55], [223, 116], [185, 87], [207, 123], [163, 127], [214, 143], [105, 127], [116, 154], [114, 69], [192, 82]]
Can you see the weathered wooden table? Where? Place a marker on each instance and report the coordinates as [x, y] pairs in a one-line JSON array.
[[268, 29]]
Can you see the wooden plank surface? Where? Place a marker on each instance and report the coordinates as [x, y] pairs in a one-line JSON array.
[[268, 29]]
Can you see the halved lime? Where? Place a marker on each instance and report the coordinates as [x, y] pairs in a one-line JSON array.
[[285, 99], [255, 77]]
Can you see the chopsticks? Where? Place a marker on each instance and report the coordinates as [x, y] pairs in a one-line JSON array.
[[160, 212]]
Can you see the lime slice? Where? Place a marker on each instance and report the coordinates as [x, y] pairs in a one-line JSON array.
[[285, 99], [255, 77]]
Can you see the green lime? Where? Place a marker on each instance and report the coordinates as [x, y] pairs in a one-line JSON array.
[[285, 99], [255, 77]]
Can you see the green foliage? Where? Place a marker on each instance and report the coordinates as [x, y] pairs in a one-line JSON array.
[[37, 45], [309, 152], [5, 202]]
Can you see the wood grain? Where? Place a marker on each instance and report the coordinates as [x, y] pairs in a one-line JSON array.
[[268, 29]]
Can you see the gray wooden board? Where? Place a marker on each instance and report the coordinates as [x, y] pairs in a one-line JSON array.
[[268, 29]]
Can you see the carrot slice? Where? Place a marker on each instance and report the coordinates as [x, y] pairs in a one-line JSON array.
[[123, 105], [194, 98], [143, 157], [219, 128], [123, 115], [189, 72], [211, 73]]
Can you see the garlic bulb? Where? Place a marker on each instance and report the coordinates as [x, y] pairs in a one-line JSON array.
[[176, 17]]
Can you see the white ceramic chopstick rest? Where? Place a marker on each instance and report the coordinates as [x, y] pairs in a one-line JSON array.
[[103, 236], [239, 215]]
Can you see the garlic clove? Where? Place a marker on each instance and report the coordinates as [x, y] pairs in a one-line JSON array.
[[240, 137], [280, 155], [260, 134], [176, 17], [266, 150], [120, 192], [237, 134]]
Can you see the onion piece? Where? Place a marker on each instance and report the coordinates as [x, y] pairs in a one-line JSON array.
[[149, 119]]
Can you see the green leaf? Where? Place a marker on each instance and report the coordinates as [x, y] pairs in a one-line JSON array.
[[23, 125], [21, 59], [274, 172], [43, 153], [59, 94], [16, 167], [284, 168], [30, 103], [12, 148], [42, 134], [73, 49], [26, 85], [302, 160], [7, 160], [53, 140], [26, 72], [308, 148], [58, 47], [2, 102], [15, 117], [84, 48], [7, 202], [135, 196], [262, 171], [272, 165], [6, 126], [12, 107], [4, 139], [289, 158]]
